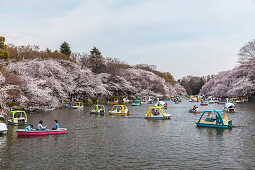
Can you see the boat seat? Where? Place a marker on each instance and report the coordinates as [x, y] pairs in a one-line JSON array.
[[208, 119]]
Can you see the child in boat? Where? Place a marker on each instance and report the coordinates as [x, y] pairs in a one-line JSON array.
[[40, 126], [56, 127], [195, 107], [156, 113], [29, 127]]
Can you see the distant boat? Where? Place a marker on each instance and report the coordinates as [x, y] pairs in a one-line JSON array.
[[125, 100], [229, 107], [136, 103], [3, 126], [98, 109], [204, 103], [160, 104], [195, 111], [77, 105], [211, 101], [49, 108]]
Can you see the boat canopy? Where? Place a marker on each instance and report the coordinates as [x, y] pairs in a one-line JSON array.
[[3, 118], [153, 109], [221, 114], [20, 113], [120, 108], [97, 107], [228, 105]]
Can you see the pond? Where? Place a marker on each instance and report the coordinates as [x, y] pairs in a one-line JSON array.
[[114, 142]]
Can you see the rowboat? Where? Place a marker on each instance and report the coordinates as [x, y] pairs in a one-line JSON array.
[[23, 132], [194, 111]]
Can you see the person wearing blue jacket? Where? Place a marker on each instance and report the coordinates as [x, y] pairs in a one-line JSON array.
[[56, 127], [29, 128]]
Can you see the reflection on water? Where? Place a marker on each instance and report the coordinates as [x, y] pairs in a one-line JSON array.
[[132, 142]]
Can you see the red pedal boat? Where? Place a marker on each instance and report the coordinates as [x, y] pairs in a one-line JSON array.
[[23, 132]]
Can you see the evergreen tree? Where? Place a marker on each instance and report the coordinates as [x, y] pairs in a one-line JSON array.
[[65, 49], [96, 60], [48, 50], [4, 54]]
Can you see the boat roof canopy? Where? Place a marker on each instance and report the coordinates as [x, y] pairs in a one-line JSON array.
[[229, 104], [156, 107], [119, 105]]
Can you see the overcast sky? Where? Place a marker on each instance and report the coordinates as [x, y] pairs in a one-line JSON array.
[[183, 37]]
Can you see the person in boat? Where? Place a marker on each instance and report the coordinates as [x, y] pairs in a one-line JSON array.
[[152, 111], [195, 108], [29, 128], [40, 126], [56, 127], [156, 113], [214, 117]]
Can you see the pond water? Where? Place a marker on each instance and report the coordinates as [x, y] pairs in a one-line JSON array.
[[114, 142]]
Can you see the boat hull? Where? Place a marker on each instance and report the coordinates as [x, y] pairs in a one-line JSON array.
[[192, 111], [158, 118], [23, 132], [3, 131], [211, 125], [16, 124], [119, 114], [99, 113]]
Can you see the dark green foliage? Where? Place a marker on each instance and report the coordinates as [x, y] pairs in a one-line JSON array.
[[4, 54], [65, 49], [96, 61], [48, 50]]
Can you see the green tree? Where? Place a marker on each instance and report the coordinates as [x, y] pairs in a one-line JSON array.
[[4, 54], [96, 60], [65, 49], [48, 50]]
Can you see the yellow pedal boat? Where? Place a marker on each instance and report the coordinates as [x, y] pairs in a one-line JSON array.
[[119, 110]]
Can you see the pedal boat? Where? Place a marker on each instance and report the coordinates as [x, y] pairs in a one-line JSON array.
[[125, 100], [157, 113], [160, 104], [23, 132], [17, 117], [77, 105], [229, 108], [116, 101], [204, 103], [98, 109], [3, 126], [136, 103], [211, 101], [195, 111], [50, 108], [119, 110], [221, 121]]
